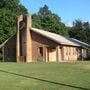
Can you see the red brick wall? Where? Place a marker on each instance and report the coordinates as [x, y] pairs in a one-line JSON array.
[[40, 41]]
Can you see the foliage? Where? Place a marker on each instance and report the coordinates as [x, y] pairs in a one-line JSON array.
[[80, 30], [44, 19], [7, 24], [9, 9], [13, 5], [49, 21]]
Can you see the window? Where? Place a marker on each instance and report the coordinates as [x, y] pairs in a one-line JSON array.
[[40, 54], [0, 51], [74, 51], [69, 50], [41, 51]]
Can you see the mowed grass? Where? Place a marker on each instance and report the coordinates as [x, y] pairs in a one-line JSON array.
[[45, 76]]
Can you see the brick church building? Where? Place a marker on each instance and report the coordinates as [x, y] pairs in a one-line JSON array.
[[31, 45]]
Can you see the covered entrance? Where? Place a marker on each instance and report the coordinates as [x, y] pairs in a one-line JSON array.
[[51, 54]]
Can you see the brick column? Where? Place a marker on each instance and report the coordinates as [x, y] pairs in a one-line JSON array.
[[63, 53], [57, 53], [18, 38], [47, 55], [28, 38], [44, 53]]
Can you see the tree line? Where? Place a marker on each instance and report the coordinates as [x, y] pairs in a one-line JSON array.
[[44, 19], [9, 10]]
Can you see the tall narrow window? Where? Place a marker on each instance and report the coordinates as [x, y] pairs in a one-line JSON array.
[[69, 50], [41, 51], [66, 50]]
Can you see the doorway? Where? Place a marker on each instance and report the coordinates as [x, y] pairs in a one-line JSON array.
[[51, 54]]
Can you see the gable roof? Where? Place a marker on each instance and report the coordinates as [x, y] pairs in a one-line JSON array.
[[82, 44], [3, 43], [55, 37], [6, 41]]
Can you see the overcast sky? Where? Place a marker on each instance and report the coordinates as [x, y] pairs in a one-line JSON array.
[[68, 10]]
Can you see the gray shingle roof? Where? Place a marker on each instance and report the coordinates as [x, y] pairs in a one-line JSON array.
[[82, 44], [55, 37], [3, 43]]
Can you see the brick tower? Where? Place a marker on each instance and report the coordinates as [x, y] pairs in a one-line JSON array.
[[23, 39]]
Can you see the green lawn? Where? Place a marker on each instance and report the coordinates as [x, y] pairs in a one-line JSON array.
[[45, 76]]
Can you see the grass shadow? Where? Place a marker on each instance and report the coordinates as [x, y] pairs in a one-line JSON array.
[[43, 80]]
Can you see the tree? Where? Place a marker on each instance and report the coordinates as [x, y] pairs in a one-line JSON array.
[[7, 24], [81, 31], [44, 10], [9, 10], [36, 20], [13, 5], [49, 21]]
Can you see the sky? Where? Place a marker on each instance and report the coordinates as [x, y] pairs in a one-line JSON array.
[[68, 10]]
